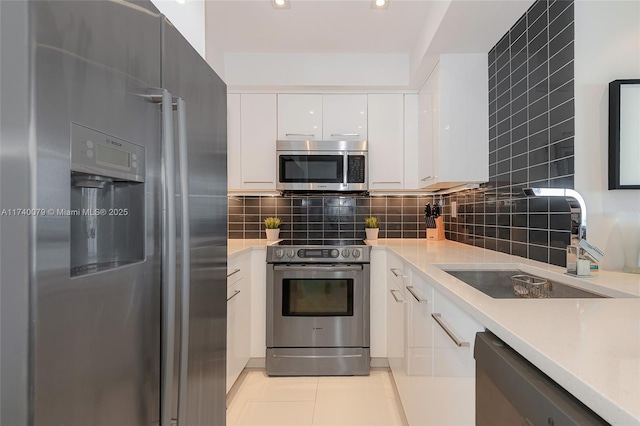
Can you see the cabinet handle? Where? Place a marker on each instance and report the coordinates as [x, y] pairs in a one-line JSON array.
[[345, 134], [393, 293], [458, 342], [378, 183], [299, 134], [234, 272], [413, 293], [235, 293], [258, 181], [425, 178], [401, 275]]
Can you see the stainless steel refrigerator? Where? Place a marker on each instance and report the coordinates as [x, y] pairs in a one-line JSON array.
[[113, 219]]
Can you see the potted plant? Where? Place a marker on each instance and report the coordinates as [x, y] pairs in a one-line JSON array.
[[272, 225], [371, 227]]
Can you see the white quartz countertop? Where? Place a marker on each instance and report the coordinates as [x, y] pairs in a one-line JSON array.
[[591, 347], [236, 247]]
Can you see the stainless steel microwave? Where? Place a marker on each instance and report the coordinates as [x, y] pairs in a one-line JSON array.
[[339, 166]]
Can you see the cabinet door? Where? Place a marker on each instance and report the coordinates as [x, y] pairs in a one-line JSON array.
[[396, 339], [234, 156], [344, 117], [233, 314], [464, 119], [386, 147], [411, 141], [258, 136], [299, 117], [419, 327], [428, 133], [238, 316], [396, 311]]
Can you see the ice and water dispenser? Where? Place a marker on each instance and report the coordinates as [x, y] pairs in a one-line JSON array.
[[107, 201]]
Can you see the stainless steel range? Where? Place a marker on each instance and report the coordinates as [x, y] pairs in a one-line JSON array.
[[318, 308]]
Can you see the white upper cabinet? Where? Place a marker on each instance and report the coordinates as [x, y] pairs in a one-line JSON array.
[[299, 117], [234, 153], [386, 147], [454, 123], [344, 117], [322, 117], [258, 141]]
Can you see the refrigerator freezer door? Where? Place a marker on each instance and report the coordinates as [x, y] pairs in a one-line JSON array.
[[188, 77], [95, 337]]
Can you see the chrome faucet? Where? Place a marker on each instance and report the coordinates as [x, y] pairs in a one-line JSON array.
[[580, 253]]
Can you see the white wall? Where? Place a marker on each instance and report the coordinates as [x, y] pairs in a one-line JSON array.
[[273, 70], [188, 18], [607, 48]]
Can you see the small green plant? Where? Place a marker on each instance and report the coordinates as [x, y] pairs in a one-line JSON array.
[[371, 222], [272, 222]]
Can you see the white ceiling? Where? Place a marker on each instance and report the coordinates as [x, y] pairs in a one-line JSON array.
[[260, 46], [313, 26]]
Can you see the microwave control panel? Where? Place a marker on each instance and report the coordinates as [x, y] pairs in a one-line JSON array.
[[356, 169]]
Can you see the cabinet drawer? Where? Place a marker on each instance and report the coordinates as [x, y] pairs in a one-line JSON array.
[[396, 271], [234, 274], [453, 339]]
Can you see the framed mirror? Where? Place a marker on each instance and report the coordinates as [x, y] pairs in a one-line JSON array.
[[624, 134]]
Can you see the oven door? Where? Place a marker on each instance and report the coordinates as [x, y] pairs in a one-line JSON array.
[[311, 171], [318, 306]]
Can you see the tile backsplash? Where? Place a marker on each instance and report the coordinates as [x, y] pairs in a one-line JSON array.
[[531, 144], [328, 217]]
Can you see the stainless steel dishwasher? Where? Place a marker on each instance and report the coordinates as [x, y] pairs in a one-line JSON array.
[[511, 391]]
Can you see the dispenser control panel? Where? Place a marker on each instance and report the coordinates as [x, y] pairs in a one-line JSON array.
[[101, 154]]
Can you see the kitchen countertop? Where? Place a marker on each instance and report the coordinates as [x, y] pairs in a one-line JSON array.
[[236, 247], [591, 347]]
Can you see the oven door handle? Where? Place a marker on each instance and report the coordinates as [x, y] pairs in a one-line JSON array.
[[324, 268]]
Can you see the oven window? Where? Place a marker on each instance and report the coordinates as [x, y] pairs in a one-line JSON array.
[[317, 297], [311, 168]]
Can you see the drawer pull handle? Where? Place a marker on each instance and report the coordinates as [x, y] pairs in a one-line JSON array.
[[400, 275], [425, 178], [345, 134], [393, 293], [235, 293], [460, 344], [299, 134], [234, 272], [415, 295]]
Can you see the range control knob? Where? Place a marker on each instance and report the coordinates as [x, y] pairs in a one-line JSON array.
[[278, 253], [345, 253], [356, 253], [335, 253], [290, 253]]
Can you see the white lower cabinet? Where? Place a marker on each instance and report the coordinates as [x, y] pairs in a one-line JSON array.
[[238, 316], [396, 320], [431, 362]]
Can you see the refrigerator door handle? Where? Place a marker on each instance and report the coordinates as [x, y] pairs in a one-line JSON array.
[[186, 261], [168, 255]]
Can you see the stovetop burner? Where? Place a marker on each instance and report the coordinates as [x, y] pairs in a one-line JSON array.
[[339, 243]]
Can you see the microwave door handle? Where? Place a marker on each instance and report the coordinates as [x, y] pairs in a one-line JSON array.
[[345, 169]]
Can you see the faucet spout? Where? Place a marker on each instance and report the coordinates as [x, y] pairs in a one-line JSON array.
[[568, 194], [579, 253]]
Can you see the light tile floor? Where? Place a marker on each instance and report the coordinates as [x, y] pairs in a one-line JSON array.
[[328, 401]]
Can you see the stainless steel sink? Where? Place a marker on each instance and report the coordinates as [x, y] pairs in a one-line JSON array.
[[498, 284]]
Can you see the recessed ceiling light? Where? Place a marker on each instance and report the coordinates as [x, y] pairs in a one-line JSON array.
[[281, 4], [181, 1], [380, 4]]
